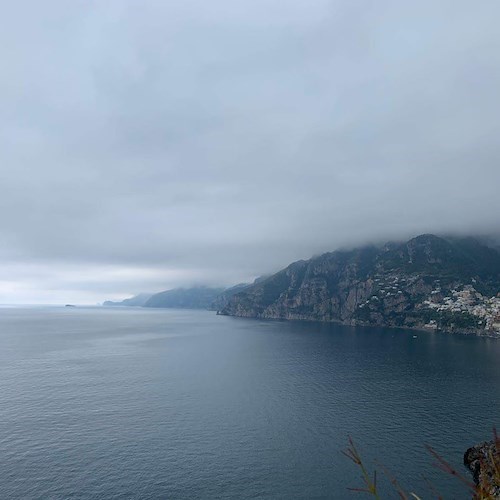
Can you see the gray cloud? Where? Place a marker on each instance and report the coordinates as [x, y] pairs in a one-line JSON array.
[[152, 144]]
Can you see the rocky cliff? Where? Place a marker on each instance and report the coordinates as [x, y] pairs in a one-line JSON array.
[[483, 460], [222, 300], [427, 282]]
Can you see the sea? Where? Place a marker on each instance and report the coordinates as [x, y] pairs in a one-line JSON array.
[[135, 403]]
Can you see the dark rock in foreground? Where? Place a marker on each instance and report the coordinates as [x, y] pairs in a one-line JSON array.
[[483, 460]]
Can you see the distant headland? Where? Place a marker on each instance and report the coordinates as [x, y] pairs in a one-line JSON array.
[[428, 282]]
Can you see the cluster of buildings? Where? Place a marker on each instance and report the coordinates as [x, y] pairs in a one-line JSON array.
[[469, 300], [390, 285]]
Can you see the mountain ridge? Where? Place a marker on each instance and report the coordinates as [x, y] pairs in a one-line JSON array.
[[136, 301], [200, 297], [426, 282]]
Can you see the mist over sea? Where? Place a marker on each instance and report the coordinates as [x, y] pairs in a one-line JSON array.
[[136, 403]]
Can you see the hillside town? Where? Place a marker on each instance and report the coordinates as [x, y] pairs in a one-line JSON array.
[[467, 300]]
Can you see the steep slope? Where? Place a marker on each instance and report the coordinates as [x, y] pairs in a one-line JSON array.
[[188, 298], [135, 301], [222, 300], [399, 284]]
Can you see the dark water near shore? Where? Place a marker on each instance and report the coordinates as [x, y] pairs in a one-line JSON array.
[[132, 403]]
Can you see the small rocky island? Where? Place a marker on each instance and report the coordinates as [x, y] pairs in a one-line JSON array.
[[428, 282]]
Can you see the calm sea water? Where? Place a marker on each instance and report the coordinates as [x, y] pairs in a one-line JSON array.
[[134, 403]]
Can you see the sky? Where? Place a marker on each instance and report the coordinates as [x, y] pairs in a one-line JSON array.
[[146, 145]]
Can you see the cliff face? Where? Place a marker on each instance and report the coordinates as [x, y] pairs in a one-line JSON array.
[[222, 300], [412, 284]]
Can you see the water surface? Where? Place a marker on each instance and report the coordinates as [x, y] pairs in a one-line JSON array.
[[138, 403]]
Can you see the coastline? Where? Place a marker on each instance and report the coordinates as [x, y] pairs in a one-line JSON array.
[[466, 333]]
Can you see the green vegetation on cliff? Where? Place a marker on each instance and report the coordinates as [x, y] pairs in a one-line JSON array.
[[398, 284]]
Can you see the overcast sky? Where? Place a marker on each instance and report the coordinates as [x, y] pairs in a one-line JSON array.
[[149, 144]]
